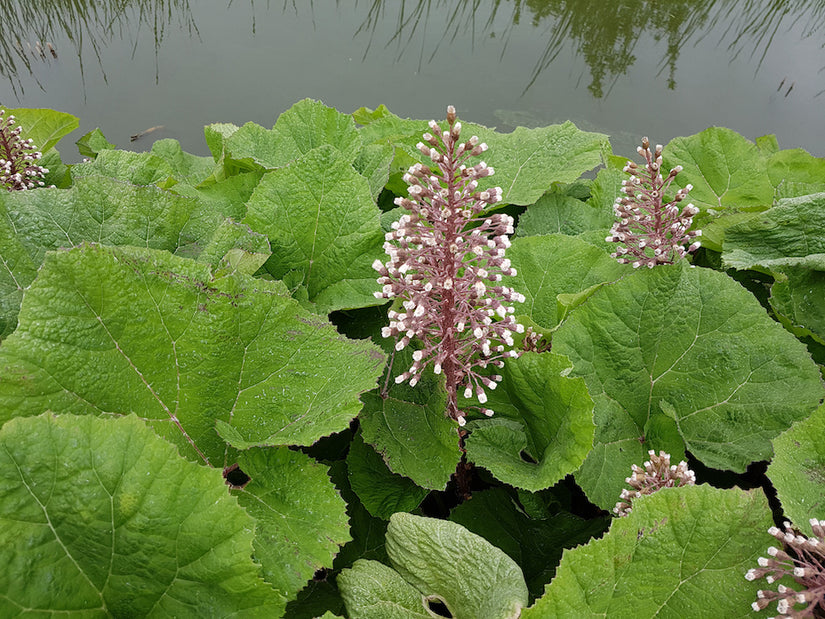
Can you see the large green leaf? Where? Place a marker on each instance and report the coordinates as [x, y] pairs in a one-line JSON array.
[[796, 172], [185, 166], [543, 427], [17, 269], [90, 144], [796, 297], [682, 552], [548, 266], [725, 169], [216, 135], [473, 578], [124, 165], [113, 212], [45, 127], [409, 428], [119, 330], [788, 242], [526, 162], [729, 177], [381, 491], [415, 439], [606, 188], [556, 212], [94, 209], [301, 520], [798, 470], [371, 590], [100, 517], [684, 350], [373, 163], [536, 544], [368, 534], [435, 561], [780, 236], [305, 126], [323, 224]]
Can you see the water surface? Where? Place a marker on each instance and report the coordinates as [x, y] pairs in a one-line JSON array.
[[627, 67]]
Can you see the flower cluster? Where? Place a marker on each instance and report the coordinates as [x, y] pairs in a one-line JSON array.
[[658, 473], [18, 171], [446, 262], [801, 557], [652, 232]]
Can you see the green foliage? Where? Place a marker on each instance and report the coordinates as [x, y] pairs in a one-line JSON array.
[[543, 428], [166, 318], [101, 516], [208, 348], [671, 557], [435, 560], [534, 541], [798, 470], [682, 353], [324, 227]]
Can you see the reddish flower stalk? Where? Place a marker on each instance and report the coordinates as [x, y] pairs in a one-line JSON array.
[[802, 558], [446, 262], [18, 171], [651, 231]]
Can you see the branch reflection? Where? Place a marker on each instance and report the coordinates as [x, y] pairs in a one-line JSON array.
[[603, 34], [30, 27]]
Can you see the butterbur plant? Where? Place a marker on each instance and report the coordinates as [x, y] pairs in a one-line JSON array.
[[446, 266], [657, 473], [223, 319], [800, 557], [18, 170], [650, 230]]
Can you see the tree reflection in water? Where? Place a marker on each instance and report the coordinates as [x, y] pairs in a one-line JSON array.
[[603, 33], [29, 27]]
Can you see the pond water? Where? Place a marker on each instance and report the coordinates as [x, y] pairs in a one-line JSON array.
[[626, 67]]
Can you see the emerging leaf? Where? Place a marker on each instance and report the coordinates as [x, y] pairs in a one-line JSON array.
[[435, 561]]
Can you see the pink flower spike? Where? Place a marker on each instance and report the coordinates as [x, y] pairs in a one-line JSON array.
[[443, 259], [651, 231]]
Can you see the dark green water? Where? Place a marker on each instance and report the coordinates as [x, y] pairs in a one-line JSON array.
[[627, 68]]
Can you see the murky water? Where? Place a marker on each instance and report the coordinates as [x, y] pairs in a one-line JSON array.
[[625, 67]]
